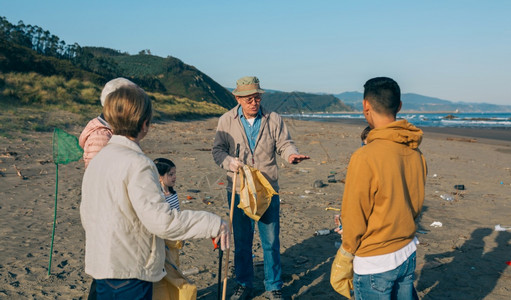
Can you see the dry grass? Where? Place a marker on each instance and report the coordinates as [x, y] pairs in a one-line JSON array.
[[32, 102]]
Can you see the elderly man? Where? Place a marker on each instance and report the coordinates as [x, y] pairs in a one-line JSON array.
[[262, 135]]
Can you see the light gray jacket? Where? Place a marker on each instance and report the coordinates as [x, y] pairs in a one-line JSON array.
[[273, 140], [126, 218]]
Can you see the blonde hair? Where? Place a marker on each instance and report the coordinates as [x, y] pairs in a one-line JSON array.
[[126, 110]]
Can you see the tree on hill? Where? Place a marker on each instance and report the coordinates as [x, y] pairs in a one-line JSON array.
[[15, 58], [164, 75], [35, 38]]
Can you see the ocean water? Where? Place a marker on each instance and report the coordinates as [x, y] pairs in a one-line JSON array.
[[461, 120]]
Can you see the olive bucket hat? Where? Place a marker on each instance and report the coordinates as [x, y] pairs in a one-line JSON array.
[[247, 85]]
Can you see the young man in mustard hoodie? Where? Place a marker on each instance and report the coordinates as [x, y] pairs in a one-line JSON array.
[[383, 196]]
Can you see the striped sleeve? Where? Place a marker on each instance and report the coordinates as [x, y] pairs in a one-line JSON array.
[[173, 201]]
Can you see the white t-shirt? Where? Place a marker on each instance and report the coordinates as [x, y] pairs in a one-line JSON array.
[[385, 262]]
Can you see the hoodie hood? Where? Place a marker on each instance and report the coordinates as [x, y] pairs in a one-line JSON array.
[[401, 132]]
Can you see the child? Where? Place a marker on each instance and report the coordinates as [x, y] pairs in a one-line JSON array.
[[175, 285], [337, 218], [364, 134], [167, 170]]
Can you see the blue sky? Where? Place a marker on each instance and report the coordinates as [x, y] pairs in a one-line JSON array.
[[457, 50]]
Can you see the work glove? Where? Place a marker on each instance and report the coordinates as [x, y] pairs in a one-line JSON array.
[[341, 276], [234, 164], [224, 236]]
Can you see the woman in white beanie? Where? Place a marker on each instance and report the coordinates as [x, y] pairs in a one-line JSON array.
[[97, 133]]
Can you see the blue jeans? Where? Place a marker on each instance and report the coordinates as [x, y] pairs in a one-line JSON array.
[[393, 284], [269, 228], [134, 289]]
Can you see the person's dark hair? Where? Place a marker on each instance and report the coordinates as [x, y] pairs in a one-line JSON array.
[[365, 132], [126, 109], [164, 165], [384, 95]]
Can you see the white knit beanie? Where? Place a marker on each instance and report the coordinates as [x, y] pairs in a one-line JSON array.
[[112, 86]]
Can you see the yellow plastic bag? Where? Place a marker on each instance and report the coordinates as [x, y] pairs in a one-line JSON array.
[[255, 192], [341, 276], [174, 285]]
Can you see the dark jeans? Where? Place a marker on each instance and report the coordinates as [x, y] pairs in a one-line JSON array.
[[269, 228], [92, 291], [117, 289]]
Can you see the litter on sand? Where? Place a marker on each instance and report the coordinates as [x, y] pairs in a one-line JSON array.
[[447, 197], [498, 227], [436, 224]]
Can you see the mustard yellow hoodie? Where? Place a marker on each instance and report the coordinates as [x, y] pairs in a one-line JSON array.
[[384, 191]]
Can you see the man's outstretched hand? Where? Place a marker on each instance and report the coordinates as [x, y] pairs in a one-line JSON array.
[[297, 158]]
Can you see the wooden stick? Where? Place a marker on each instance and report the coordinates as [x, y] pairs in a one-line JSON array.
[[18, 171], [231, 213], [233, 196], [333, 208]]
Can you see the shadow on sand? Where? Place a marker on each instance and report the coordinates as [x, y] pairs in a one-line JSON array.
[[457, 268], [306, 271]]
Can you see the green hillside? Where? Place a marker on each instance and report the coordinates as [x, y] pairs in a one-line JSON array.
[[45, 83], [33, 102], [171, 75], [27, 48], [16, 58]]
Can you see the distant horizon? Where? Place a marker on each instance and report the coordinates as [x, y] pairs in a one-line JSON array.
[[334, 94], [422, 119], [456, 50], [357, 112]]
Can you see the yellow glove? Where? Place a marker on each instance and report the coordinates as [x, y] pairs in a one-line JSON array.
[[341, 276]]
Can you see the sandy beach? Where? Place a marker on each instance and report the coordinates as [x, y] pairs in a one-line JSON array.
[[465, 258]]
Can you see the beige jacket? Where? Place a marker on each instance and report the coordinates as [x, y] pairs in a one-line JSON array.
[[273, 140], [126, 218]]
